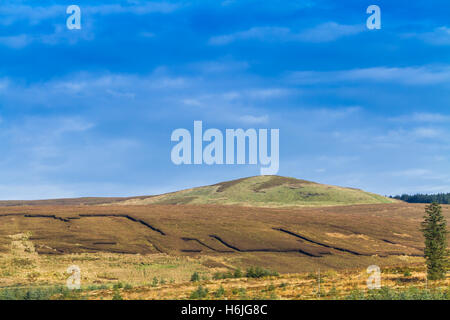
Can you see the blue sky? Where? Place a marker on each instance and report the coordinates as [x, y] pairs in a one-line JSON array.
[[90, 112]]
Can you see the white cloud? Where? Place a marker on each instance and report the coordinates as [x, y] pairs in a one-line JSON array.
[[427, 132], [412, 173], [138, 9], [439, 36], [11, 13], [329, 31], [60, 34], [268, 93], [4, 83], [326, 32], [34, 14], [16, 42], [146, 34], [252, 120], [425, 75], [192, 102], [418, 136], [259, 33], [218, 66], [422, 117]]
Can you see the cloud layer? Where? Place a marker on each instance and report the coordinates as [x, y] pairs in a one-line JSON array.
[[90, 112]]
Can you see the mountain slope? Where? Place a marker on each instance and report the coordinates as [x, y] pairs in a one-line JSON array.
[[266, 191]]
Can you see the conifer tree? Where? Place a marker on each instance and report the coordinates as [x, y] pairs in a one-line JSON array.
[[435, 231]]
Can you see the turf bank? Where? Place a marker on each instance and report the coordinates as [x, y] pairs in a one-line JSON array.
[[235, 150]]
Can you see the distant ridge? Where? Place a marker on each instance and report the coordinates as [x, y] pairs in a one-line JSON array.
[[265, 191], [258, 191], [67, 201]]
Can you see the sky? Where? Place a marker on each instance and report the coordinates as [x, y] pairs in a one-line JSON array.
[[90, 112]]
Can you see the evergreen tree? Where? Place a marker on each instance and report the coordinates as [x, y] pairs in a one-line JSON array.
[[435, 231]]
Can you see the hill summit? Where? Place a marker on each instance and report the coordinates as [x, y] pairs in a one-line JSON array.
[[265, 191]]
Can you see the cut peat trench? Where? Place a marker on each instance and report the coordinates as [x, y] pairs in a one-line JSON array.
[[319, 243], [51, 216], [263, 249], [204, 245], [80, 216], [126, 217], [225, 243]]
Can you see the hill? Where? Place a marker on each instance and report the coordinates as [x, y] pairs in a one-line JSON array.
[[265, 191], [258, 191]]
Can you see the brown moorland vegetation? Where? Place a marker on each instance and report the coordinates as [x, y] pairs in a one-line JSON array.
[[155, 249], [286, 240]]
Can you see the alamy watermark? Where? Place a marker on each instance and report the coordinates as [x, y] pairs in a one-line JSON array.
[[74, 280], [374, 20], [231, 150], [374, 279], [74, 20]]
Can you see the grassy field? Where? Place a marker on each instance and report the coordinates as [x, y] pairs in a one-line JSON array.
[[25, 274], [158, 276]]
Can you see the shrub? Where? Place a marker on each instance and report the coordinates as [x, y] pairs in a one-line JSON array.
[[412, 293], [117, 295], [238, 273], [258, 272], [271, 287], [220, 292], [118, 285], [195, 277], [128, 286], [199, 293], [34, 293], [333, 292]]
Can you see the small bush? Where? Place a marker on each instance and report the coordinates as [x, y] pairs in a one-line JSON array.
[[117, 295], [238, 273], [220, 292], [34, 293], [273, 296], [118, 285], [128, 286], [195, 277], [258, 272], [270, 288], [313, 276], [199, 293], [333, 292], [412, 293]]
